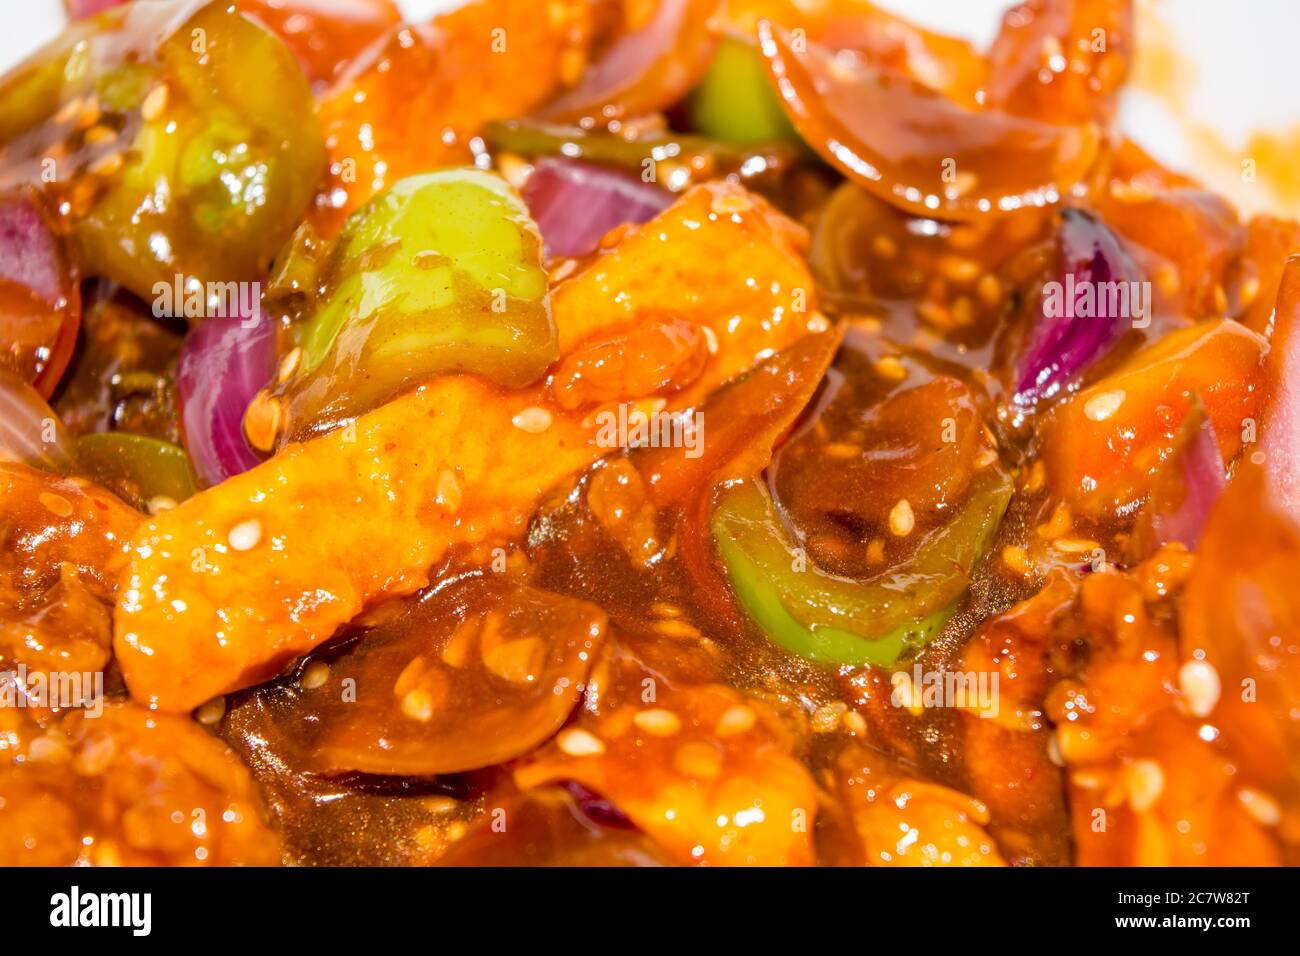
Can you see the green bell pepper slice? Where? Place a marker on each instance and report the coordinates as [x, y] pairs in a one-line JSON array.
[[735, 102], [441, 272], [835, 620], [139, 468]]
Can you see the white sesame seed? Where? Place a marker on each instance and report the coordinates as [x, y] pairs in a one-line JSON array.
[[155, 103], [579, 743], [1146, 781], [211, 712], [1262, 808], [901, 518], [736, 720], [245, 535], [710, 339], [533, 420], [314, 675], [160, 503], [1101, 406], [657, 721], [1199, 682]]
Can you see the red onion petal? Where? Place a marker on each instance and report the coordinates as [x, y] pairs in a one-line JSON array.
[[30, 431], [575, 204], [1062, 346], [1280, 431], [1200, 479], [40, 302], [80, 9], [222, 366]]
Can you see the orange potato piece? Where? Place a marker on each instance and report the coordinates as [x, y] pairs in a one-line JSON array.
[[226, 589], [130, 788], [721, 258], [1146, 788], [1103, 446], [414, 102], [903, 821], [702, 771], [62, 545], [1062, 61]]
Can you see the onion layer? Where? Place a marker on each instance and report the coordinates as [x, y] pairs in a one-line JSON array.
[[575, 204], [222, 365]]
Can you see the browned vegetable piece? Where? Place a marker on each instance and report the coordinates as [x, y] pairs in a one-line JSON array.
[[704, 771], [547, 827], [1005, 755], [62, 544], [916, 149], [1061, 61], [480, 671], [647, 69], [901, 820], [1240, 622], [918, 446], [1149, 786], [131, 788], [415, 101]]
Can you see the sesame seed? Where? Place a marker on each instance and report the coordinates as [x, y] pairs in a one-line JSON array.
[[577, 742], [1262, 808], [155, 103], [710, 339], [245, 535], [262, 420], [1075, 545], [289, 364], [901, 518], [1199, 682], [106, 165], [1146, 781], [731, 202], [1017, 559], [211, 712], [891, 367], [657, 721], [675, 628], [314, 675], [57, 504], [448, 493], [1101, 406], [736, 720], [418, 705], [855, 722], [533, 420], [160, 503]]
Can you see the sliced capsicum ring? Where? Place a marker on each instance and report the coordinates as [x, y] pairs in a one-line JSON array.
[[835, 620]]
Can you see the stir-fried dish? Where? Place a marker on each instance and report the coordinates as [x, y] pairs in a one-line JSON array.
[[615, 432]]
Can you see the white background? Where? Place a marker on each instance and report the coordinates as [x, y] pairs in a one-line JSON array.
[[1243, 58]]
